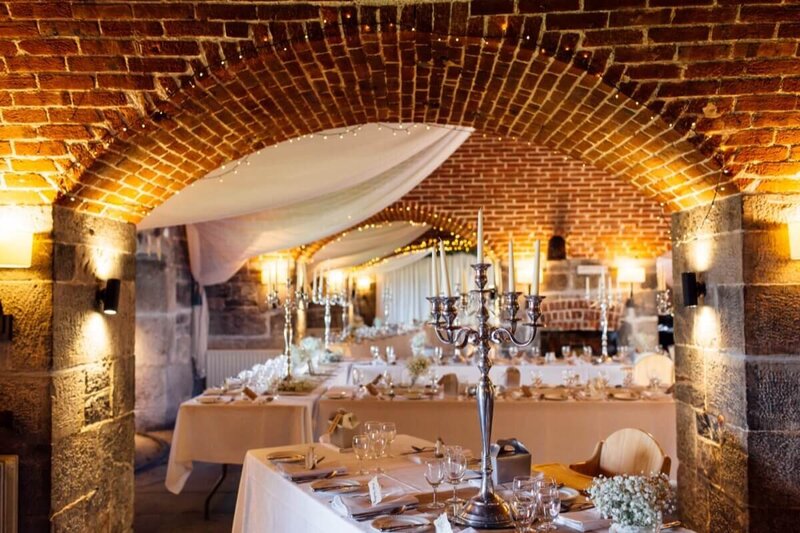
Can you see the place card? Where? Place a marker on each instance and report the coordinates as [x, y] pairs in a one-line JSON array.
[[373, 390], [442, 524], [375, 494], [250, 393], [526, 391]]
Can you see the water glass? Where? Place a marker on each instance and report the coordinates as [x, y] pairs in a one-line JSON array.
[[389, 431], [361, 447], [356, 376], [549, 503], [373, 430], [587, 353], [523, 512], [376, 354], [391, 358], [456, 465], [536, 379], [434, 475], [566, 350], [523, 488]]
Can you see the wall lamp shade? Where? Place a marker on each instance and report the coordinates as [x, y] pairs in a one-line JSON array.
[[692, 289], [108, 297], [794, 240], [16, 248], [631, 274]]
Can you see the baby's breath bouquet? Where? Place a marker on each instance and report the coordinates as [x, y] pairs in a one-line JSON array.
[[417, 366], [418, 343], [635, 504]]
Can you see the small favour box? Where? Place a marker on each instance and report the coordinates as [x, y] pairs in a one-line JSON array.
[[449, 382], [512, 377], [342, 429], [509, 459]]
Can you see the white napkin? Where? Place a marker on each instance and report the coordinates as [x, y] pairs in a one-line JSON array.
[[297, 472], [588, 520], [355, 506]]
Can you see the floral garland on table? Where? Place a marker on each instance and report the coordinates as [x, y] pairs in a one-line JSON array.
[[417, 366], [633, 503]]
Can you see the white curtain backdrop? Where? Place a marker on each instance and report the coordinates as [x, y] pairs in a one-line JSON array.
[[358, 247], [218, 249], [411, 283]]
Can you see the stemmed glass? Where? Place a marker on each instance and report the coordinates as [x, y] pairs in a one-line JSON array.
[[389, 430], [523, 513], [361, 450], [549, 501], [434, 475], [566, 351], [356, 376], [456, 463]]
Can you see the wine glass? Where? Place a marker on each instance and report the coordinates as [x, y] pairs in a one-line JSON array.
[[361, 450], [565, 351], [523, 488], [456, 463], [389, 430], [373, 430], [434, 475], [356, 376], [536, 379], [654, 377], [549, 501], [523, 513], [378, 443]]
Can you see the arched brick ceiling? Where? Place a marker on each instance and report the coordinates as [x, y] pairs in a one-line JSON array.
[[73, 75]]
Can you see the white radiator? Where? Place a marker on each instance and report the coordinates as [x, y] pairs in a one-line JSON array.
[[221, 364], [9, 482]]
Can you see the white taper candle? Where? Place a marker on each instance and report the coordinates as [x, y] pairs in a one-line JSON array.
[[512, 282], [537, 252], [434, 274], [445, 273], [480, 235]]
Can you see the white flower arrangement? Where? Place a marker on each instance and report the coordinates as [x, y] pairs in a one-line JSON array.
[[417, 366], [311, 344], [633, 503], [418, 343]]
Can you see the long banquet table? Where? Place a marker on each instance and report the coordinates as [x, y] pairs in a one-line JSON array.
[[553, 431], [269, 503]]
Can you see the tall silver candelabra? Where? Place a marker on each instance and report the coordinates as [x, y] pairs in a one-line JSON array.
[[293, 301], [329, 300], [606, 300], [487, 509]]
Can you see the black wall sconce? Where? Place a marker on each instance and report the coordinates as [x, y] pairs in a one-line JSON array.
[[692, 289], [6, 325], [108, 297]]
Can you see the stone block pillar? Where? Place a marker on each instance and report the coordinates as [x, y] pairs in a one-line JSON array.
[[738, 366], [66, 379]]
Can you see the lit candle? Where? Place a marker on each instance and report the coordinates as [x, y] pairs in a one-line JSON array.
[[445, 273], [537, 252], [434, 274], [464, 278], [588, 288], [480, 235], [512, 282]]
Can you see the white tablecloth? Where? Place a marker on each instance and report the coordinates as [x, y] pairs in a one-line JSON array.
[[222, 433], [269, 503], [553, 431], [551, 373]]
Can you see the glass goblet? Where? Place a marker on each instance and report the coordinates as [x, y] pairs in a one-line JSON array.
[[523, 513], [434, 475], [389, 430], [456, 468], [549, 503], [361, 450]]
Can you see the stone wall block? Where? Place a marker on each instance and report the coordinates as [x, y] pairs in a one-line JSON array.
[[180, 382], [774, 468], [28, 398], [768, 211], [725, 466], [152, 290], [97, 408], [772, 326], [773, 399], [68, 403], [726, 216], [728, 305], [725, 386], [76, 467], [80, 332], [725, 515], [64, 261], [69, 226], [772, 519], [766, 258], [123, 390], [688, 366], [692, 498], [686, 435], [30, 304]]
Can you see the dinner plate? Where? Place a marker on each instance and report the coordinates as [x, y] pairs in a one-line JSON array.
[[414, 396], [213, 391], [341, 395], [336, 486], [625, 395], [389, 522], [208, 399], [286, 457], [555, 396], [567, 494]]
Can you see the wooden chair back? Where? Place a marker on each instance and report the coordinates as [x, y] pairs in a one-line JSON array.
[[632, 451], [654, 365]]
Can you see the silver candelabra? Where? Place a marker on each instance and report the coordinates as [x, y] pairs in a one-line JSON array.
[[329, 300], [293, 301], [605, 301], [487, 509]]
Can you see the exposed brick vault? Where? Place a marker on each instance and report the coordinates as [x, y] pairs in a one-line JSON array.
[[149, 96]]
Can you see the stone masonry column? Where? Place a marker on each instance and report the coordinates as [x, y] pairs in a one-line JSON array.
[[67, 377], [738, 366]]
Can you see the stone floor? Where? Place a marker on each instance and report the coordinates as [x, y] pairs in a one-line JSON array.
[[159, 511]]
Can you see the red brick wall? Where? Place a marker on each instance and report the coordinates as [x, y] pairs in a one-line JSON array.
[[534, 192]]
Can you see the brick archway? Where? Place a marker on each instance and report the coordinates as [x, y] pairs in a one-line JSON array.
[[351, 74]]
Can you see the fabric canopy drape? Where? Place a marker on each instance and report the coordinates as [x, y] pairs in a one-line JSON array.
[[358, 247], [218, 249], [410, 284]]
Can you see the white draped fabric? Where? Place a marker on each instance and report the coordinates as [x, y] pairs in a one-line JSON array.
[[217, 249], [358, 247], [411, 283]]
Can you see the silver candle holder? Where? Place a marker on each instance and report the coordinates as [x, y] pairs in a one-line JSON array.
[[329, 300], [293, 301], [487, 509]]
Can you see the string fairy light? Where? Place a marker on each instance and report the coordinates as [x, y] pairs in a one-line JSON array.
[[267, 43]]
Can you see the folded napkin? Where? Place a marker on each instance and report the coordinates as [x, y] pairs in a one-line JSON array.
[[588, 520], [297, 472], [359, 505]]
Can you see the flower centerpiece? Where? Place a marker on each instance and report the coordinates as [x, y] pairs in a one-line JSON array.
[[417, 366], [635, 504], [418, 343]]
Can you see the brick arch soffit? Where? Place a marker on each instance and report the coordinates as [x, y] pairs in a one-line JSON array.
[[457, 233], [547, 95]]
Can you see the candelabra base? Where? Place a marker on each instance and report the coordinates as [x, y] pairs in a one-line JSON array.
[[491, 512]]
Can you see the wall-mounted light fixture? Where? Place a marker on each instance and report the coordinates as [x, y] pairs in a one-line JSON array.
[[794, 239], [629, 271], [108, 297], [6, 325], [16, 248], [692, 289]]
